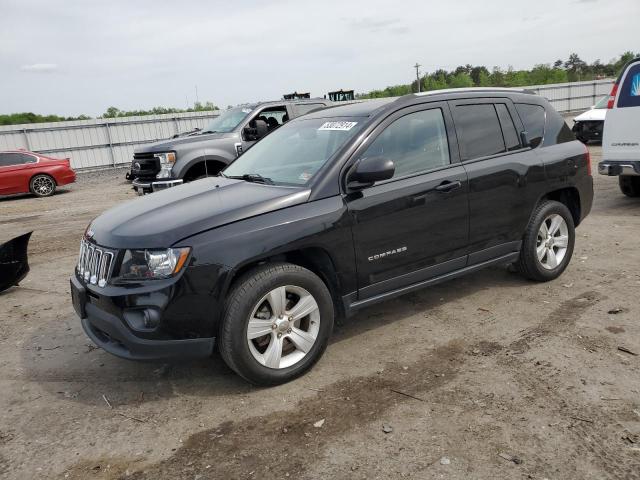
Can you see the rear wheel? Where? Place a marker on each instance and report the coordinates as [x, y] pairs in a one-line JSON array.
[[548, 242], [277, 323], [629, 185], [42, 185]]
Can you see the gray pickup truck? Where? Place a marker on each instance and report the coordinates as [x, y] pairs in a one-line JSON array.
[[204, 153]]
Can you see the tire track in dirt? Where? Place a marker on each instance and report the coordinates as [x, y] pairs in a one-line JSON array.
[[591, 440], [281, 443]]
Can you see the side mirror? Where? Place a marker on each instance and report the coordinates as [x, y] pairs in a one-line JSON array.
[[255, 130], [367, 171], [524, 138]]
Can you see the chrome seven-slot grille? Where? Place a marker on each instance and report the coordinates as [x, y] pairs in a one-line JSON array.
[[94, 263]]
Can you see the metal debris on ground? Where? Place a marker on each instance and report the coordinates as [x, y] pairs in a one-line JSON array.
[[510, 458], [626, 350]]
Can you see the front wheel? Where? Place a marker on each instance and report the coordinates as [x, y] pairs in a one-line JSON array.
[[42, 185], [629, 185], [548, 242], [277, 323]]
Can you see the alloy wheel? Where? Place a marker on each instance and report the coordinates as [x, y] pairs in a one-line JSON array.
[[43, 185], [283, 327], [552, 241]]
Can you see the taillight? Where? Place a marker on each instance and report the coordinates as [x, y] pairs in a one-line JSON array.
[[612, 95], [588, 154]]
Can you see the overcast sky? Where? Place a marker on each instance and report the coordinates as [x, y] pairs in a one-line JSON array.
[[81, 56]]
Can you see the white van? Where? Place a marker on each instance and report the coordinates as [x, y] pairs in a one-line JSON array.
[[621, 138]]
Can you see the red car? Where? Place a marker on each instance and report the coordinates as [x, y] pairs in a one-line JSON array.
[[24, 172]]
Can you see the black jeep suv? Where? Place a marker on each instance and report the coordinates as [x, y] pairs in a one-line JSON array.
[[332, 212]]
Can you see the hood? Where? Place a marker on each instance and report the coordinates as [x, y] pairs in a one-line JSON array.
[[175, 143], [595, 114], [163, 218]]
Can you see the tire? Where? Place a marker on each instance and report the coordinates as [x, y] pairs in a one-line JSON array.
[[255, 299], [542, 259], [42, 185], [629, 185]]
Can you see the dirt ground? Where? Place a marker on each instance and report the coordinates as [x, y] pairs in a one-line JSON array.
[[488, 376]]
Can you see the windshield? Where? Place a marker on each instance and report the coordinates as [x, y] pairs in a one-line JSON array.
[[293, 153], [228, 120], [602, 103]]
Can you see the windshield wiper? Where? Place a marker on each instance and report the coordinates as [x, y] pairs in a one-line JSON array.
[[208, 131], [252, 177]]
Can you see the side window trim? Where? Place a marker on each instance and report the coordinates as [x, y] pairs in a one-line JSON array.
[[493, 100], [517, 129]]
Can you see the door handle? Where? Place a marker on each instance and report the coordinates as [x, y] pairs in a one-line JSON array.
[[448, 186]]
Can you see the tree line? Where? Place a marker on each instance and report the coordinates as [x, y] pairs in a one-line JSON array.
[[571, 70], [111, 112], [574, 69]]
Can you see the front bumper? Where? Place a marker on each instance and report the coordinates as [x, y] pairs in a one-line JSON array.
[[588, 130], [619, 167], [144, 186], [110, 332]]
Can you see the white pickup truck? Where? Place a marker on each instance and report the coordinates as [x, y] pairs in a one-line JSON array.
[[621, 138]]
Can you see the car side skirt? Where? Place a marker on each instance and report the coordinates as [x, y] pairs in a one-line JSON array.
[[352, 304]]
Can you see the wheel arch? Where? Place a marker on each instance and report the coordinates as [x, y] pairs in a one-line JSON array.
[[315, 259], [204, 166], [570, 198]]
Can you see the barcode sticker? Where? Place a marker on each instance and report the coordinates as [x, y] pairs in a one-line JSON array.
[[338, 125]]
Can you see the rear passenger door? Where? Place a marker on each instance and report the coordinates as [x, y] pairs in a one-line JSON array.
[[505, 177], [413, 226]]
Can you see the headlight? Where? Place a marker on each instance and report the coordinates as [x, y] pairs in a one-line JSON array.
[[152, 264], [168, 157], [166, 161], [165, 171]]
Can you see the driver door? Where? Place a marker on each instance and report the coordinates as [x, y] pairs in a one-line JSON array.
[[414, 226]]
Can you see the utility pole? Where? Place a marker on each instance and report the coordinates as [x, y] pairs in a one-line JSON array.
[[197, 100], [417, 67]]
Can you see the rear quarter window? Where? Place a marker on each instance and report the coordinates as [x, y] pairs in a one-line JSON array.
[[533, 118], [629, 92]]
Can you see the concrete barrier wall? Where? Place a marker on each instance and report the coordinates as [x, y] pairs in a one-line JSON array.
[[99, 142]]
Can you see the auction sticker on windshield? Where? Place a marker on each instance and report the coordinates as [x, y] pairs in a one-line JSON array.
[[338, 125]]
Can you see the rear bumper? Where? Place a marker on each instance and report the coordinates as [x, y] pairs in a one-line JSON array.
[[66, 178], [142, 186], [619, 167]]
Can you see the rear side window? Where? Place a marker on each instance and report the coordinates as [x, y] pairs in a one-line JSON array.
[[7, 159], [533, 119], [479, 131], [629, 93], [509, 133]]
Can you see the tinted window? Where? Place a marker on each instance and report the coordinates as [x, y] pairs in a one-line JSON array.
[[415, 143], [629, 93], [509, 133], [478, 130], [15, 159], [532, 117], [307, 107]]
